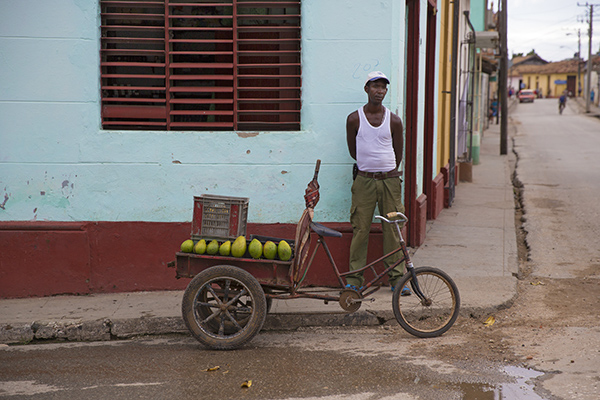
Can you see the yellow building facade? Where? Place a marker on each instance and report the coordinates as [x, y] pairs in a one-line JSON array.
[[551, 80], [445, 82]]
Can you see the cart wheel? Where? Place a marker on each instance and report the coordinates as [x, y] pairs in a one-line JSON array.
[[224, 307]]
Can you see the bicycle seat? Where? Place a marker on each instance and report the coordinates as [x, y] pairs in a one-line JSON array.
[[322, 230]]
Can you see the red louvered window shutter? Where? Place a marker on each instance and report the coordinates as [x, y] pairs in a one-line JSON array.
[[200, 65]]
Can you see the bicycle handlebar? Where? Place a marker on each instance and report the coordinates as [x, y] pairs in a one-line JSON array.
[[393, 214]]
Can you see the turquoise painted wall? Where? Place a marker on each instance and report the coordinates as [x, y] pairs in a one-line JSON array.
[[477, 14], [57, 164]]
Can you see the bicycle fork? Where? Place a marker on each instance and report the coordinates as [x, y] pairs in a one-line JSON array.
[[414, 283], [410, 269]]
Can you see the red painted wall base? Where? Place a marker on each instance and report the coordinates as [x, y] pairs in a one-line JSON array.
[[436, 204], [421, 222], [50, 258]]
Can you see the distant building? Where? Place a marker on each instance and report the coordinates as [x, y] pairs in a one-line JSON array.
[[532, 59], [548, 79]]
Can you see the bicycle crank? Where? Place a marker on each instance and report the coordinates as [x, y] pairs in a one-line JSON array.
[[350, 300]]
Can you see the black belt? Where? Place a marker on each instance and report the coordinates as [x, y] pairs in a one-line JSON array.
[[380, 175]]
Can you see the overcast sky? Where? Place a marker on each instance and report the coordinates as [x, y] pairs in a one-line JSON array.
[[550, 27]]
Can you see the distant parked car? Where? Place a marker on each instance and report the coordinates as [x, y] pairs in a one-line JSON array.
[[526, 95]]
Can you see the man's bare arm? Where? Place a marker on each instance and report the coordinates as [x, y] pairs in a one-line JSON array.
[[397, 137], [351, 132]]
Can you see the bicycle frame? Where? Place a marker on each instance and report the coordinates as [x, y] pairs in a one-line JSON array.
[[369, 288]]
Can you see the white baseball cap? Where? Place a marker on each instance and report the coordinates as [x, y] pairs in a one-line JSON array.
[[374, 75]]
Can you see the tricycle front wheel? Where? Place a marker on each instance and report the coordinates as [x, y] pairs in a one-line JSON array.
[[433, 314], [224, 307]]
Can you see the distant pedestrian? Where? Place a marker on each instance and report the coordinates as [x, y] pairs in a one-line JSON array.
[[562, 102]]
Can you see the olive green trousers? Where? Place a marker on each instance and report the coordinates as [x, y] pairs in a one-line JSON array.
[[367, 193]]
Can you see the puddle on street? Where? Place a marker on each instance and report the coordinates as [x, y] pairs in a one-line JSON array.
[[521, 389]]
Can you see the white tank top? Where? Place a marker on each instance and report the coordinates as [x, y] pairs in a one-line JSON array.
[[374, 149]]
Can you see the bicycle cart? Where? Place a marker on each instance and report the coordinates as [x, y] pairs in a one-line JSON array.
[[225, 304]]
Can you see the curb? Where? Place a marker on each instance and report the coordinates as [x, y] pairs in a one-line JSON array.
[[120, 329], [90, 331], [106, 330]]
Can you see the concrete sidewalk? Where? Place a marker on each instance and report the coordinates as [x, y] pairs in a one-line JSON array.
[[580, 104], [474, 241]]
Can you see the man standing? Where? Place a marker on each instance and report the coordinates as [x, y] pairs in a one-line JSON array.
[[375, 141]]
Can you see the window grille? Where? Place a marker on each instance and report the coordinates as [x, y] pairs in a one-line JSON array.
[[200, 65]]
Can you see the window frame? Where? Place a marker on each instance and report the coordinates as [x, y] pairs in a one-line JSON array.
[[178, 65]]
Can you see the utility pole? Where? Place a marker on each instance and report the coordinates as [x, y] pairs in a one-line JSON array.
[[578, 61], [503, 81], [588, 80]]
